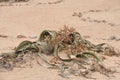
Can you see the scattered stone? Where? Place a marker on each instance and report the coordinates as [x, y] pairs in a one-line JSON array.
[[112, 38], [21, 36], [97, 21], [118, 39], [3, 36], [111, 24], [77, 14], [104, 21], [84, 19], [86, 36], [89, 19], [32, 37], [91, 11], [98, 10]]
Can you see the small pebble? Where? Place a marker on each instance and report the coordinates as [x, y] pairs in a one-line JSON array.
[[32, 37], [91, 11], [86, 36], [118, 39], [112, 38], [111, 24], [3, 36], [83, 19], [104, 21], [21, 36]]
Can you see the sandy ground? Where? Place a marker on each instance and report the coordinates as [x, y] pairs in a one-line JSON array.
[[100, 19]]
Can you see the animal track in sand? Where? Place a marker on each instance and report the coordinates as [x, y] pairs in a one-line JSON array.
[[89, 19]]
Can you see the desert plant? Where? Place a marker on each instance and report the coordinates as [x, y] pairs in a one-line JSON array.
[[80, 51]]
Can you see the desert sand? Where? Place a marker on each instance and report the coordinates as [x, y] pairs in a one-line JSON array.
[[98, 19]]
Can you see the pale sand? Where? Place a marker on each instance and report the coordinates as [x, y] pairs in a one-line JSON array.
[[31, 18]]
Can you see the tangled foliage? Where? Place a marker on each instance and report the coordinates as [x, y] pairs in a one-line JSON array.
[[81, 55]]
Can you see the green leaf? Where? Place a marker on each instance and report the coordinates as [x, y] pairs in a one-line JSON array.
[[46, 48], [23, 45], [51, 33], [56, 52], [92, 54], [46, 62]]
